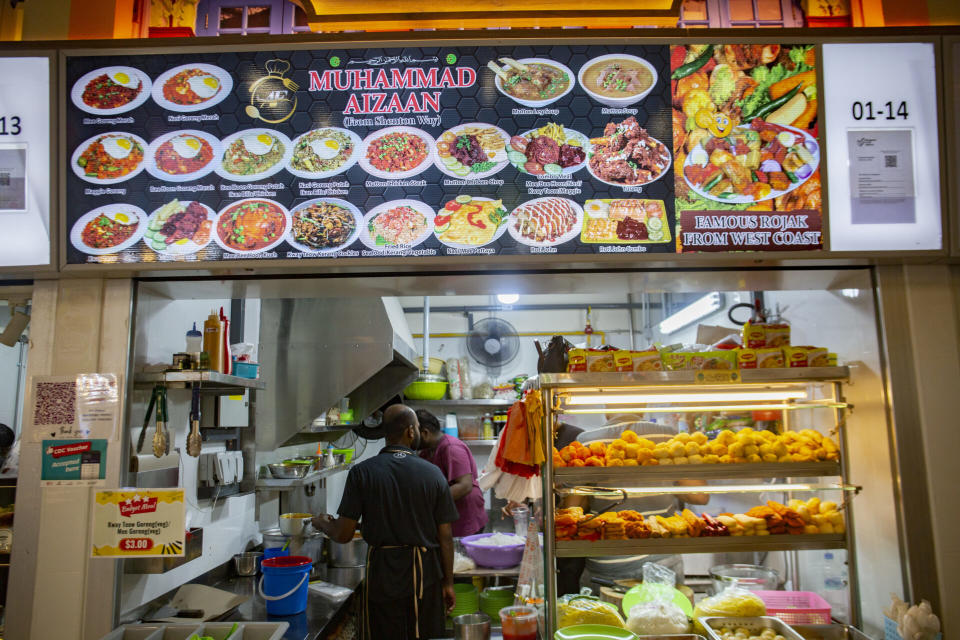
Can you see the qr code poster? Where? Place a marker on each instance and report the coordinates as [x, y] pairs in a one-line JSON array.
[[80, 406]]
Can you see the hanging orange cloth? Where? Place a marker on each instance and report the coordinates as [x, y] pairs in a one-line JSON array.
[[533, 403], [517, 444]]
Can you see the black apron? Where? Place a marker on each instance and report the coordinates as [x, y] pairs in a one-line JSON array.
[[403, 598]]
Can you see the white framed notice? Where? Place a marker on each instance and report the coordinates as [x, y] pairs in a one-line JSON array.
[[25, 161], [883, 156]]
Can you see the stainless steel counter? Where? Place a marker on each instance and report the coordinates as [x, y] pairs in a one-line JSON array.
[[322, 613]]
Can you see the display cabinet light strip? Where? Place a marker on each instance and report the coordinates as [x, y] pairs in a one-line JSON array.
[[705, 407], [671, 489], [715, 396]]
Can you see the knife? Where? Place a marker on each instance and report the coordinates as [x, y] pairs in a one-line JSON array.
[[168, 611], [619, 588]]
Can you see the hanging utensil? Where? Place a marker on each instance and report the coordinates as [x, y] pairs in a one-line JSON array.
[[146, 418], [166, 422], [194, 441], [160, 445]]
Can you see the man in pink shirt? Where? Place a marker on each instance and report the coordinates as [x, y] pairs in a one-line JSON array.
[[458, 466]]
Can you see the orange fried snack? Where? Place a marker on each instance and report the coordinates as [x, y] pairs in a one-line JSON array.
[[694, 524], [569, 516], [598, 449]]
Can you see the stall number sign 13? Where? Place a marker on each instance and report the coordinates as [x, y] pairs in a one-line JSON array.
[[10, 126], [888, 110]]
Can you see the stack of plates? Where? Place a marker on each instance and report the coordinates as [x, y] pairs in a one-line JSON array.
[[468, 601], [495, 598]]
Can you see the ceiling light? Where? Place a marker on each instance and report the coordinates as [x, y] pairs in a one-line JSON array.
[[659, 398], [508, 298], [692, 312]]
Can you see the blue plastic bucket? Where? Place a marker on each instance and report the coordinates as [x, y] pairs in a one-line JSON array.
[[285, 583], [272, 552]]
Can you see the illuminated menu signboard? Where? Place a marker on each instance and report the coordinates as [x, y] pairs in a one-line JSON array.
[[25, 160], [442, 152]]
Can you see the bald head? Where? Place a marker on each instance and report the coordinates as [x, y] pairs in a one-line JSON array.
[[397, 420]]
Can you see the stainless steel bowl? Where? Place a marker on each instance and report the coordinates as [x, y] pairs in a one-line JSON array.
[[247, 564], [748, 576], [471, 626], [289, 471], [316, 462]]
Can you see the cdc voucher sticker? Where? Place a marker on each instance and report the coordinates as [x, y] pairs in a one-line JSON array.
[[139, 522]]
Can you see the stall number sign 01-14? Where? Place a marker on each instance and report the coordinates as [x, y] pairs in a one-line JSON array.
[[888, 110]]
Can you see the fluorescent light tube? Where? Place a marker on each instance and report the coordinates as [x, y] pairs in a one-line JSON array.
[[660, 398], [692, 312]]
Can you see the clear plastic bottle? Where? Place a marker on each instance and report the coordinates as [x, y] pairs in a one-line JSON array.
[[834, 589]]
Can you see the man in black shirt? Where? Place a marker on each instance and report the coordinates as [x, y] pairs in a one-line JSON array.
[[405, 511]]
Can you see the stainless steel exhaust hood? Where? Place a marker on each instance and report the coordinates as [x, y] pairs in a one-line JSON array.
[[316, 351]]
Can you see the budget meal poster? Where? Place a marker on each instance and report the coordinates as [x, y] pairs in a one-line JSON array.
[[746, 149], [138, 522], [333, 154]]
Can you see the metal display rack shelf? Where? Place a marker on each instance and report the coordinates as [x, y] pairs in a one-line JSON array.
[[786, 542], [210, 381], [660, 473], [665, 392], [289, 484], [464, 404], [566, 381]]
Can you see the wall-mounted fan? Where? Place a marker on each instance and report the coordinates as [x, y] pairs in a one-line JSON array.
[[493, 342]]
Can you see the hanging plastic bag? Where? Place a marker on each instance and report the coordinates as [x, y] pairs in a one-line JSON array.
[[583, 608], [732, 602]]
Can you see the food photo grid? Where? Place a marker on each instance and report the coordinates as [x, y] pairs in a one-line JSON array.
[[426, 152]]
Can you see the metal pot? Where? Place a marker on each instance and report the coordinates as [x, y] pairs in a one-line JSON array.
[[471, 626], [351, 554], [295, 524], [310, 545]]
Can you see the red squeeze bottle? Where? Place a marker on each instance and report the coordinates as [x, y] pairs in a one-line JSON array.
[[227, 360]]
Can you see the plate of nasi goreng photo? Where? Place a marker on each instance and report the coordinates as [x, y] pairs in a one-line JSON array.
[[108, 229], [324, 152], [253, 154], [109, 158], [192, 87], [472, 150], [111, 90], [744, 122], [468, 222]]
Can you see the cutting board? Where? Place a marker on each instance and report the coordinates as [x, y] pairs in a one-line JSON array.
[[214, 602]]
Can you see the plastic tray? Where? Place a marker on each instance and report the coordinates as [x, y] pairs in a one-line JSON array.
[[796, 607], [755, 625], [216, 630]]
